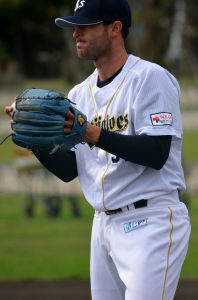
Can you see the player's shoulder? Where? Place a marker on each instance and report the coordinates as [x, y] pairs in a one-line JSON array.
[[145, 69], [79, 88]]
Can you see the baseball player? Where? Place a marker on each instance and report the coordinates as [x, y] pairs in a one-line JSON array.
[[129, 165]]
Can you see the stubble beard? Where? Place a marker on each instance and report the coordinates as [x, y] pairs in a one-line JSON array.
[[95, 49]]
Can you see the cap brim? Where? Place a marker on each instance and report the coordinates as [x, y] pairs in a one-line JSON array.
[[74, 21]]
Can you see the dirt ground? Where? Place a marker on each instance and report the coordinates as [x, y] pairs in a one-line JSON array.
[[73, 290]]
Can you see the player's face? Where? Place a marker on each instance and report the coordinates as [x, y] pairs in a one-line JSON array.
[[92, 42]]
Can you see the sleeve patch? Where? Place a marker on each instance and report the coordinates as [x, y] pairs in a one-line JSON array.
[[161, 119]]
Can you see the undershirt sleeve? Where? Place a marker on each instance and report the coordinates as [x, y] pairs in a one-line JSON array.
[[149, 151], [61, 164]]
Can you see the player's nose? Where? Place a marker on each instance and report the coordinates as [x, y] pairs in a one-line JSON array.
[[77, 32]]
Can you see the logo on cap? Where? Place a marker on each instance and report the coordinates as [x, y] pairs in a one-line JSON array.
[[79, 4]]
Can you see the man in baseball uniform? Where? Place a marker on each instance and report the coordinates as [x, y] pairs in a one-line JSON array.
[[129, 165]]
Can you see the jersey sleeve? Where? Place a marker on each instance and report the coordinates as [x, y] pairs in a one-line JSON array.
[[156, 108]]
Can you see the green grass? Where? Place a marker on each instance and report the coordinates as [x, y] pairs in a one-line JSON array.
[[7, 150], [190, 146], [42, 248], [2, 112], [191, 81]]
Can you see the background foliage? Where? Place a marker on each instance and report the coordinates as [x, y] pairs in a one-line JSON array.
[[32, 46]]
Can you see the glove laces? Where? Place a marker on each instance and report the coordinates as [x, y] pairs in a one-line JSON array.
[[5, 139]]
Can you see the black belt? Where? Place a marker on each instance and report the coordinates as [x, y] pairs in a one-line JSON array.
[[137, 204]]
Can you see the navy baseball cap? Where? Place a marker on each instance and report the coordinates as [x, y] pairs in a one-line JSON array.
[[91, 12]]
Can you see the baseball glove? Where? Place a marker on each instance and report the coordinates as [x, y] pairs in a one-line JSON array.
[[38, 121]]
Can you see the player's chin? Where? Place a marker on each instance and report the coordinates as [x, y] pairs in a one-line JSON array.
[[86, 56], [84, 53], [81, 53]]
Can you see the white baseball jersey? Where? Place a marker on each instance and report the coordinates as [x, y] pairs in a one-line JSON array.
[[143, 99], [138, 253]]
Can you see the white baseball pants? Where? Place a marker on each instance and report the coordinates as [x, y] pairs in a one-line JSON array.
[[138, 254]]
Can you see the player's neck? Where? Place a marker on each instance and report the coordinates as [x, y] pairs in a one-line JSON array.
[[110, 64]]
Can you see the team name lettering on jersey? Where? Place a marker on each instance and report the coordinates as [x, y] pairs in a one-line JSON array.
[[114, 124]]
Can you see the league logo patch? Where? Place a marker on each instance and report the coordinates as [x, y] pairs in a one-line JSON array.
[[130, 226], [161, 119]]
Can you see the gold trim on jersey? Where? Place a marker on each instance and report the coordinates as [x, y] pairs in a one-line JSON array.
[[168, 254], [94, 103], [105, 117]]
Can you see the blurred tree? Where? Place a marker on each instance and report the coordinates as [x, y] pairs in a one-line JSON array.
[[30, 38], [4, 55], [152, 23], [166, 32], [175, 49], [190, 65]]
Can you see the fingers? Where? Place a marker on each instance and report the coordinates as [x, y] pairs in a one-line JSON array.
[[8, 110], [69, 122], [11, 108]]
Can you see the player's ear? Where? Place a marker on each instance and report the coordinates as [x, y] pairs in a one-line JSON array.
[[116, 28]]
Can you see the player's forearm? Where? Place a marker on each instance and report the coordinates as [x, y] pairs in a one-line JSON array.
[[61, 164], [150, 151]]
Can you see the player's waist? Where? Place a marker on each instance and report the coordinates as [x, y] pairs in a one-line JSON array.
[[138, 204], [165, 200]]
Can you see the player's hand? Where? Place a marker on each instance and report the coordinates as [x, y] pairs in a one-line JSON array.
[[69, 122], [10, 109], [92, 133]]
